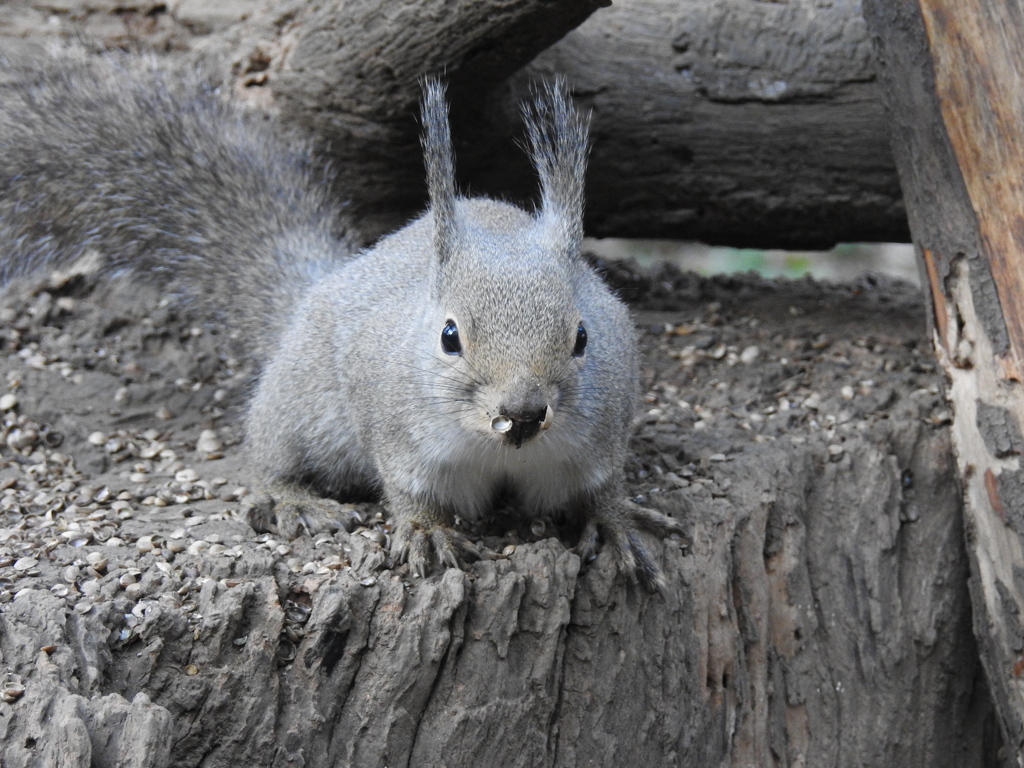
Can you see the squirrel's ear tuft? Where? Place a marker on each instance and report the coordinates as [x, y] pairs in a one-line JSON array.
[[557, 133], [440, 164]]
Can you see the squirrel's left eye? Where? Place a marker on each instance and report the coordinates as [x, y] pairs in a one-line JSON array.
[[450, 342], [581, 341]]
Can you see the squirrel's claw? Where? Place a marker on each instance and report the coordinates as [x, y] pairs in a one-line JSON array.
[[413, 544], [620, 525], [288, 510]]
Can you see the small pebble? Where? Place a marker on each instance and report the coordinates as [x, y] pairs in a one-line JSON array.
[[8, 401]]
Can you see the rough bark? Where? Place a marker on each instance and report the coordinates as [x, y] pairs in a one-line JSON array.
[[951, 71], [818, 616], [729, 121]]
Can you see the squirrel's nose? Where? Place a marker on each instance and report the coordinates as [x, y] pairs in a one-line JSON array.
[[521, 423]]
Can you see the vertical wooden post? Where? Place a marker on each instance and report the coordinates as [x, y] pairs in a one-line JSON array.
[[953, 73]]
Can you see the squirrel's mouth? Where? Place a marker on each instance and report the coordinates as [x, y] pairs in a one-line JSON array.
[[520, 426]]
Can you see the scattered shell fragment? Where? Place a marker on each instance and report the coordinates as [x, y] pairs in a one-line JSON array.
[[8, 401], [508, 550], [198, 547], [501, 424], [297, 613], [11, 691], [749, 354], [208, 442], [286, 651], [374, 534], [537, 527], [369, 581], [25, 564], [191, 669], [97, 560]]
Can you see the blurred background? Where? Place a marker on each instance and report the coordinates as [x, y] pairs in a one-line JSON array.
[[841, 264]]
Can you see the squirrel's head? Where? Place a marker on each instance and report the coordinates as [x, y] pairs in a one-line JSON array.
[[507, 286]]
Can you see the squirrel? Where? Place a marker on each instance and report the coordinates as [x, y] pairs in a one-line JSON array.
[[471, 353]]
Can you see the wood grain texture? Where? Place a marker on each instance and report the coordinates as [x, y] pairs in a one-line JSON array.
[[952, 75], [729, 121], [979, 83]]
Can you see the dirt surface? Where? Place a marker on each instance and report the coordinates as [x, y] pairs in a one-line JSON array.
[[784, 422]]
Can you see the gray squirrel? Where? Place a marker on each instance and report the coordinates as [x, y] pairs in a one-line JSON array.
[[472, 352]]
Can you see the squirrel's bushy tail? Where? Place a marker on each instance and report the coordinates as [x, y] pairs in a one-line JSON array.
[[156, 175]]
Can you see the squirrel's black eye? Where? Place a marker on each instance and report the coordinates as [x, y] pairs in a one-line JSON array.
[[581, 341], [450, 339]]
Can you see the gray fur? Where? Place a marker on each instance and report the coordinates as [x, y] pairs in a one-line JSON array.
[[163, 178]]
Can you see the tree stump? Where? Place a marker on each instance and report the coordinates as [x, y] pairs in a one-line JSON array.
[[818, 613]]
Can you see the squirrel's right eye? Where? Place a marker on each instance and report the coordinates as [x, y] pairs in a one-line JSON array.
[[450, 339]]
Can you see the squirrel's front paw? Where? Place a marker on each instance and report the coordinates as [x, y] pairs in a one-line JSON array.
[[619, 525], [412, 543], [288, 510]]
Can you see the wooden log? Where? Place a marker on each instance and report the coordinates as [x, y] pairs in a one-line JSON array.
[[754, 124], [952, 72]]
